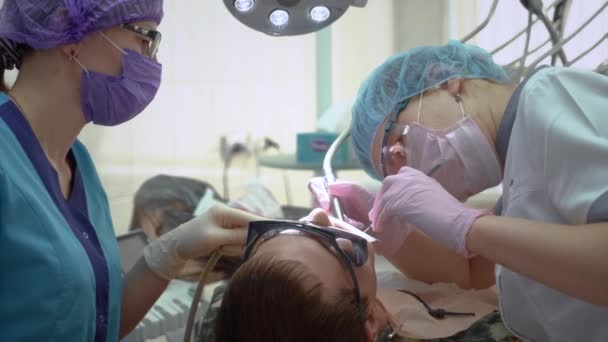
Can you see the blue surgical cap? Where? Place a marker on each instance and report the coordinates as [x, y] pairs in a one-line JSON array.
[[391, 85]]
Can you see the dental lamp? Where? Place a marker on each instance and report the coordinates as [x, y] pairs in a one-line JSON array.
[[289, 17]]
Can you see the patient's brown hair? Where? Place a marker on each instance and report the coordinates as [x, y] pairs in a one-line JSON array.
[[271, 300]]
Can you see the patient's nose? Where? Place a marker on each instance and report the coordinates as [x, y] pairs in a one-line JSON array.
[[318, 216]]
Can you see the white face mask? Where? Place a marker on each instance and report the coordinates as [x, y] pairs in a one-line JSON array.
[[468, 162]]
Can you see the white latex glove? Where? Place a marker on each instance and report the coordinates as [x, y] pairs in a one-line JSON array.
[[220, 226]]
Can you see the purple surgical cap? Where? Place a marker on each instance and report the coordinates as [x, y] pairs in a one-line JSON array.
[[44, 24]]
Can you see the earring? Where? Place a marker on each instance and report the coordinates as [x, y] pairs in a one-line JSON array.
[[458, 98]]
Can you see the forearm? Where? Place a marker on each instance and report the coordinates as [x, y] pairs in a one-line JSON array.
[[570, 259], [421, 258], [140, 291]]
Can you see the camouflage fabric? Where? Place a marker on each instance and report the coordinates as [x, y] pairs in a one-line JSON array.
[[489, 329]]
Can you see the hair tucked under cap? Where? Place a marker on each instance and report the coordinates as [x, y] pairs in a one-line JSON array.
[[391, 85], [44, 24], [10, 54]]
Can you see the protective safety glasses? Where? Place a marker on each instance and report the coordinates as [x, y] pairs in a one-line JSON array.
[[153, 37], [393, 132], [350, 249]]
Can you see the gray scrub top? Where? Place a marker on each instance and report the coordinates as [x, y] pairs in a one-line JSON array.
[[553, 140]]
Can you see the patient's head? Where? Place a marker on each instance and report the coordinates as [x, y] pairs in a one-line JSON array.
[[295, 287]]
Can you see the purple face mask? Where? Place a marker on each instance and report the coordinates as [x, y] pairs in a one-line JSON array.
[[112, 100]]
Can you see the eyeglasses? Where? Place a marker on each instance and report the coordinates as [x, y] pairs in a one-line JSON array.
[[153, 37], [351, 249]]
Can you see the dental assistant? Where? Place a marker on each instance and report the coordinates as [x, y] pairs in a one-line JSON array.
[[80, 62], [545, 139]]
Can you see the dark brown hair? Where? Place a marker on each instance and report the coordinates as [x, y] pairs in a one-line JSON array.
[[21, 50], [271, 300], [3, 87]]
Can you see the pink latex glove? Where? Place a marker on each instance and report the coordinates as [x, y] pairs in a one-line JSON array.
[[411, 196], [356, 201], [389, 227]]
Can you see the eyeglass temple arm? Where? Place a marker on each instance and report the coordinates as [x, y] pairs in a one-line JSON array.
[[328, 172]]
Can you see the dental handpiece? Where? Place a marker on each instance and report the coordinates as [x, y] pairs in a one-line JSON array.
[[329, 174]]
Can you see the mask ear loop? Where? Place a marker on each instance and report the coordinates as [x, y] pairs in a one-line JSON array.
[[419, 107], [73, 58], [113, 44], [459, 100]]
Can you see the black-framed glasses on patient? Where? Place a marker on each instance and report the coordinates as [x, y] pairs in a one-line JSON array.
[[349, 248], [153, 37]]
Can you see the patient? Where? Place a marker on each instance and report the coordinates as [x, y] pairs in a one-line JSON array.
[[304, 286], [295, 287]]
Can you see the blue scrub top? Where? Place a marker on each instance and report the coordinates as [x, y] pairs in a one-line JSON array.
[[59, 258]]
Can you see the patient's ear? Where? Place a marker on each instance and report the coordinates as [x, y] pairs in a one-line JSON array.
[[375, 321]]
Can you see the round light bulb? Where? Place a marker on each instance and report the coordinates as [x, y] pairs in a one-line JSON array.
[[243, 5], [319, 14], [279, 17]]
